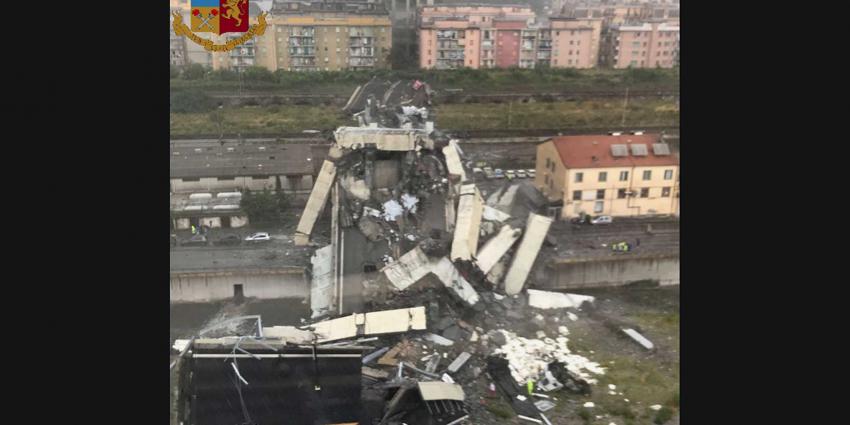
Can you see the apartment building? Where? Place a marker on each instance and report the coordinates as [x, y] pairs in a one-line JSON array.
[[648, 45], [181, 50], [618, 175], [503, 36]]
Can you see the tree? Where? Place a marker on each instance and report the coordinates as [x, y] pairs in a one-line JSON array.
[[174, 71], [218, 119], [194, 71], [264, 207]]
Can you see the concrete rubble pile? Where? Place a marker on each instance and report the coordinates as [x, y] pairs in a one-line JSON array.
[[438, 267]]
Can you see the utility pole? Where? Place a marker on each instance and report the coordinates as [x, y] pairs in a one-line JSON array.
[[625, 106]]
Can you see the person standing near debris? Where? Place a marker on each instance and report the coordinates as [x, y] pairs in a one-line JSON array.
[[193, 229], [530, 386]]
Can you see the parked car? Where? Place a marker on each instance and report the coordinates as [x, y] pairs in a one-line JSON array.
[[521, 174], [488, 172], [498, 173], [196, 240], [477, 171], [174, 240], [259, 237], [602, 219], [229, 240], [510, 174], [531, 173]]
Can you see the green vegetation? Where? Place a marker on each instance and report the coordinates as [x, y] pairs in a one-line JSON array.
[[663, 415], [191, 101], [279, 119], [585, 415], [469, 80], [264, 207], [500, 409]]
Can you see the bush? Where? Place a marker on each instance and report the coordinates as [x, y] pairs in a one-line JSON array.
[[224, 75], [194, 71], [174, 71], [663, 415], [258, 74], [191, 101], [263, 207]]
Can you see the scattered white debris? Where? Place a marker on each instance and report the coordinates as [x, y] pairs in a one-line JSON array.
[[541, 335], [498, 297], [409, 201], [447, 378], [411, 237], [655, 407], [563, 330], [180, 345], [572, 316], [474, 337], [529, 358], [439, 340], [371, 212], [589, 404], [612, 387], [612, 423], [626, 400], [521, 397], [612, 393], [547, 299], [392, 210]]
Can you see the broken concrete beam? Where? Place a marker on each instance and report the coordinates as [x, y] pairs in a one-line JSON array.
[[497, 272], [437, 339], [289, 334], [373, 323], [318, 198], [372, 356], [385, 139], [389, 359], [448, 274], [640, 339], [459, 362], [503, 200], [451, 215], [529, 247], [321, 286], [496, 247], [408, 269], [546, 299], [453, 163], [374, 373], [469, 210], [356, 187]]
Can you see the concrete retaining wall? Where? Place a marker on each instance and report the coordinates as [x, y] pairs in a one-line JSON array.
[[290, 282], [614, 271]]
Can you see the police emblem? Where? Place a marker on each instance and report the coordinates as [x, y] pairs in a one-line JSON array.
[[219, 17]]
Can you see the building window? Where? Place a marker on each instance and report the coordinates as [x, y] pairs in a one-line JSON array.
[[621, 193], [551, 186], [546, 179], [668, 174], [576, 195], [647, 175], [579, 177], [191, 179], [571, 42], [644, 193], [547, 163], [665, 192], [603, 176], [600, 194], [598, 207]]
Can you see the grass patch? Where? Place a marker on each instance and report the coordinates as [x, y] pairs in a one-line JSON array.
[[585, 415], [278, 119], [663, 415], [500, 409]]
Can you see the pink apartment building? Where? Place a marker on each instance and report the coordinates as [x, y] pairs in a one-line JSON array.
[[502, 36], [648, 45]]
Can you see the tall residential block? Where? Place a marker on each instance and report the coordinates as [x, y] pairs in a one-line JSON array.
[[648, 45], [503, 36]]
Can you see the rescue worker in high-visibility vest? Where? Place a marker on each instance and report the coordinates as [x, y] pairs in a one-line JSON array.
[[193, 229]]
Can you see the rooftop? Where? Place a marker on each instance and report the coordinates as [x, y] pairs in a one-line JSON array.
[[257, 157], [595, 151]]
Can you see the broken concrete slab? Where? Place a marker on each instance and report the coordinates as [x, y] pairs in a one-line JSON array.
[[315, 204], [321, 285], [492, 214], [290, 334], [529, 247], [372, 323], [408, 269], [459, 362], [496, 247], [356, 187], [448, 274], [453, 164], [640, 339], [385, 139], [469, 210], [503, 200], [374, 355], [549, 300], [544, 405], [374, 373]]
